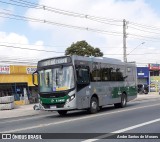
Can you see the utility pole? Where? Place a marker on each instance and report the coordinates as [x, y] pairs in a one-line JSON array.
[[124, 41]]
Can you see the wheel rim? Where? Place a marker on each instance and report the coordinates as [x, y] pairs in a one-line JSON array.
[[94, 105], [124, 101]]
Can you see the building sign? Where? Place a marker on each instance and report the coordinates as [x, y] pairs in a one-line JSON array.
[[142, 72], [154, 66], [4, 69], [31, 70]]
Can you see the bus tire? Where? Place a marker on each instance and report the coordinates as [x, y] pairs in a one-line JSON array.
[[93, 105], [123, 102], [62, 112]]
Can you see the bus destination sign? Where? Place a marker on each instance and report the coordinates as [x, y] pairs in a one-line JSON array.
[[54, 61]]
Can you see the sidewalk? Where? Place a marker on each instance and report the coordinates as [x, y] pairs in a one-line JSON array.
[[19, 111], [27, 110], [150, 95]]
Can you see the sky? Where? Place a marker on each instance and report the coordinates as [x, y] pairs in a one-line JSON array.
[[45, 28]]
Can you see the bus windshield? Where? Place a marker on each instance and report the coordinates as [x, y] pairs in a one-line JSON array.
[[56, 79]]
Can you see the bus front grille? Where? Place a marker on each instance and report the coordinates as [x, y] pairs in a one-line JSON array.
[[53, 95]]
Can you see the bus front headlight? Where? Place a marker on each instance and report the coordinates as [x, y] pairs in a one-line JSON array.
[[70, 98]]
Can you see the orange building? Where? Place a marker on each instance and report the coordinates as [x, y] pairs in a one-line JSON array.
[[16, 80]]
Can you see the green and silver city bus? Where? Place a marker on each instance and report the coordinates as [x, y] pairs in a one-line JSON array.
[[75, 82]]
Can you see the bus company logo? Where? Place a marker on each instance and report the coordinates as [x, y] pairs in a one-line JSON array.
[[52, 100], [6, 136]]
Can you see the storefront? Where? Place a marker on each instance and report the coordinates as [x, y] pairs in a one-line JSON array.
[[154, 70], [17, 81], [143, 75]]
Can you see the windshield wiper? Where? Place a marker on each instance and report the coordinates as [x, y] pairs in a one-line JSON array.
[[56, 79]]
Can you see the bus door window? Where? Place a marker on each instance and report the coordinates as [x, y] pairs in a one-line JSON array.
[[83, 78], [113, 73], [120, 71], [82, 75]]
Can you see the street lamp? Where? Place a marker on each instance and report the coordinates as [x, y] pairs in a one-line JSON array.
[[136, 48]]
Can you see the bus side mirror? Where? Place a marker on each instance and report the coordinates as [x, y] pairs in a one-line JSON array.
[[125, 77], [34, 75]]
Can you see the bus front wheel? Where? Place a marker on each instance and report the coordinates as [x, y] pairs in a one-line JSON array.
[[93, 105], [62, 112]]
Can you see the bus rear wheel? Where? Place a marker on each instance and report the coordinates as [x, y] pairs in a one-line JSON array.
[[93, 105], [62, 112], [123, 102]]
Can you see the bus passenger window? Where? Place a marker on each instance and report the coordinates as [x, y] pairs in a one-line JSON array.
[[96, 72]]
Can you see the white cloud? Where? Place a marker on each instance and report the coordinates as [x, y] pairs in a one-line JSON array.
[[9, 49]]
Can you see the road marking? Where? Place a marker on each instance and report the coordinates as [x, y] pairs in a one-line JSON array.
[[122, 130], [76, 119], [45, 115]]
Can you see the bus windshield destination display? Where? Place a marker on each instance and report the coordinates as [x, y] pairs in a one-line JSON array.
[[54, 61]]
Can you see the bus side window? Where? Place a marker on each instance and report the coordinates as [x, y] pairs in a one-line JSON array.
[[96, 72]]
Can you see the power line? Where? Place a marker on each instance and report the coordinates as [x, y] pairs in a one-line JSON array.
[[63, 52], [132, 27], [135, 48], [14, 43], [27, 4], [10, 46], [9, 3], [30, 49], [140, 38], [34, 44], [144, 36], [71, 26], [145, 26], [71, 13], [114, 33]]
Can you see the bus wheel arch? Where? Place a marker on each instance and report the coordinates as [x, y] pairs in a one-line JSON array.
[[94, 104]]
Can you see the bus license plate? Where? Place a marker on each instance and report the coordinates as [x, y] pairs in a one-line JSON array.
[[53, 107]]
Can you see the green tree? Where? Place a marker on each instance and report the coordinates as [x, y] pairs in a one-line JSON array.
[[82, 48]]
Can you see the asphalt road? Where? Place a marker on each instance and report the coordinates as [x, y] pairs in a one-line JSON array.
[[138, 117]]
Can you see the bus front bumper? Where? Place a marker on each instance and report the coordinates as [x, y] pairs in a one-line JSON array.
[[69, 106]]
